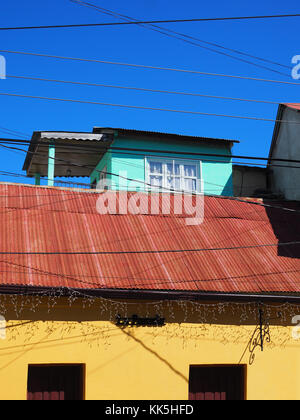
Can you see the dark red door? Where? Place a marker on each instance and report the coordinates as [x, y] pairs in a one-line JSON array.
[[55, 383], [217, 383]]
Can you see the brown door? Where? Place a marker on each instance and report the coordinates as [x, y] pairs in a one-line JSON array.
[[217, 383], [55, 383]]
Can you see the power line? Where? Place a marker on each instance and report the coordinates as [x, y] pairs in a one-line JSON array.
[[86, 185], [18, 175], [125, 151], [161, 251], [118, 15], [144, 108], [166, 156], [143, 150], [161, 188], [186, 38], [13, 132], [150, 22], [144, 89], [142, 66]]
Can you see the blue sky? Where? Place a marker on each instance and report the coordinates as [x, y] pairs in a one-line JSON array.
[[273, 39]]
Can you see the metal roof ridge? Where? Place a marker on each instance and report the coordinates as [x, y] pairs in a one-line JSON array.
[[163, 133]]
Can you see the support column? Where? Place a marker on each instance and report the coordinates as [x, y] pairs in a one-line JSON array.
[[51, 165]]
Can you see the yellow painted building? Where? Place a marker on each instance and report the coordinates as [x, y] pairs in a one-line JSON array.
[[148, 363], [147, 307]]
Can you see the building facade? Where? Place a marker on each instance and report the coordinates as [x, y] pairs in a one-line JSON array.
[[283, 174], [134, 160], [145, 306]]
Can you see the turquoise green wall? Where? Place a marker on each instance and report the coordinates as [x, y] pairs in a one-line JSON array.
[[216, 171], [105, 161]]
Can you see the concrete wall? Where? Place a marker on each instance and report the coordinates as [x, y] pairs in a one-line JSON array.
[[216, 171], [249, 181], [286, 180]]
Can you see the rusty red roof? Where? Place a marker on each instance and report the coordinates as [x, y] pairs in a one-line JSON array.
[[55, 221], [294, 106]]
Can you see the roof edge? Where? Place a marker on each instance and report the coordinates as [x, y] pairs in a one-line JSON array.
[[126, 131], [280, 110], [139, 294]]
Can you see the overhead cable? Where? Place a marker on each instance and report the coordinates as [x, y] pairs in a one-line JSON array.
[[142, 66]]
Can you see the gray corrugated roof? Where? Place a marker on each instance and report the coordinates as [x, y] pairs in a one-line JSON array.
[[126, 131], [56, 135]]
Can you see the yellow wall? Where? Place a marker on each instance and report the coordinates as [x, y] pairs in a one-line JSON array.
[[145, 363]]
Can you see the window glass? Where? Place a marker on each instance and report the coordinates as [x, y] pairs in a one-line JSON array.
[[190, 184], [156, 181], [174, 175], [190, 170], [156, 167]]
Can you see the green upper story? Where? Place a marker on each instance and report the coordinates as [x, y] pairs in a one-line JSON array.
[[122, 159], [143, 161]]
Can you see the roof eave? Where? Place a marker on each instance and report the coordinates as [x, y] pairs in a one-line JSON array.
[[139, 294]]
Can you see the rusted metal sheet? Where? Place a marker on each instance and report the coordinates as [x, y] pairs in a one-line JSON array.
[[294, 106], [53, 220]]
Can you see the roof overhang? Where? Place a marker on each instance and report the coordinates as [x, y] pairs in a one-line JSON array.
[[77, 155], [155, 135], [139, 294]]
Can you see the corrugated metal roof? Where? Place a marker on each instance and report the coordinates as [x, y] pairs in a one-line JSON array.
[[63, 135], [293, 106], [60, 137], [134, 132], [37, 219]]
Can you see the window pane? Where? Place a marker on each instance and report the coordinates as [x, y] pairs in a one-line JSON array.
[[155, 167], [190, 184], [190, 170], [170, 182], [156, 181], [169, 169], [177, 183]]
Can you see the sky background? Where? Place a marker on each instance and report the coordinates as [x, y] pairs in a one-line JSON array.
[[273, 39]]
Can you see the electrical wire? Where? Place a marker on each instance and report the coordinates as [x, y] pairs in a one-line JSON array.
[[161, 251], [144, 108], [13, 132], [161, 188], [131, 151], [126, 17], [145, 89], [151, 21], [143, 66], [187, 38]]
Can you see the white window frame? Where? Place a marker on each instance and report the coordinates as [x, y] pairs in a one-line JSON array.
[[181, 162]]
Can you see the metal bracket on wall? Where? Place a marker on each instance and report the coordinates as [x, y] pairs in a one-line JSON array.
[[261, 334]]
